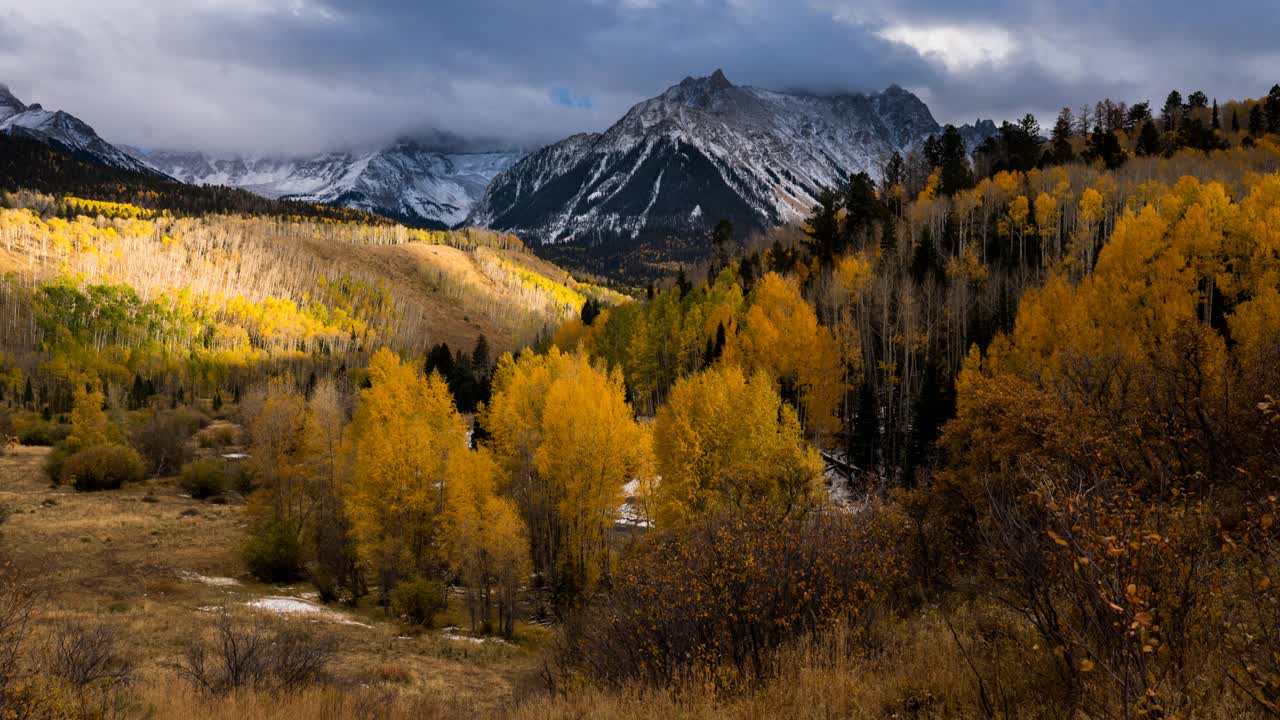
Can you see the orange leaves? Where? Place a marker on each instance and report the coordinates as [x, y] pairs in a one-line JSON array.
[[784, 339]]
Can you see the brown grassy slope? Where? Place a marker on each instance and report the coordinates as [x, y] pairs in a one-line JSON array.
[[117, 558]]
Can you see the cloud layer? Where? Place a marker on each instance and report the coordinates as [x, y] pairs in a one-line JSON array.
[[308, 75]]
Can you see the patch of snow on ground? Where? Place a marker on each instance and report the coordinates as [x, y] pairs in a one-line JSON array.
[[206, 580], [630, 512], [454, 633], [297, 606]]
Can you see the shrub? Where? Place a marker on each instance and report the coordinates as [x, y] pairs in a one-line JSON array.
[[252, 657], [102, 467], [217, 436], [714, 600], [163, 438], [418, 600], [88, 655], [54, 461], [272, 553], [204, 478], [43, 433]]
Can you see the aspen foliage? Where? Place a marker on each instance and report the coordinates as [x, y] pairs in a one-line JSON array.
[[403, 434], [783, 338], [725, 441], [591, 448]]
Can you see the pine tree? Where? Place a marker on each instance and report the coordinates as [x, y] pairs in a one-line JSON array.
[[1257, 121], [823, 227], [1235, 120], [1215, 123], [1060, 139], [1272, 109], [1172, 111], [1148, 140]]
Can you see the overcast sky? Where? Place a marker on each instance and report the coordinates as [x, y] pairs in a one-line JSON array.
[[307, 75]]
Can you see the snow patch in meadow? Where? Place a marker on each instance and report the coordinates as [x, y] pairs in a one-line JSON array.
[[207, 580], [455, 633], [298, 606]]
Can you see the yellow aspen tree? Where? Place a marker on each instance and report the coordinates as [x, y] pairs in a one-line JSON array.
[[469, 487], [782, 337], [89, 424], [405, 429], [276, 421], [726, 441], [1046, 212], [592, 446]]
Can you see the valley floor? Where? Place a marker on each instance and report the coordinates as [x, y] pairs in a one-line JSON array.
[[160, 567]]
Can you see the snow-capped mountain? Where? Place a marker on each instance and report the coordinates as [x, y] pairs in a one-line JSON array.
[[703, 150], [61, 130], [417, 182]]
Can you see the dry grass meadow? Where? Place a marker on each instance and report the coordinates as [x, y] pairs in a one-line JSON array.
[[160, 568]]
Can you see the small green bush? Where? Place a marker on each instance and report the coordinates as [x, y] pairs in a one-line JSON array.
[[54, 461], [44, 434], [418, 600], [204, 478], [102, 467], [164, 437], [217, 436], [272, 553]]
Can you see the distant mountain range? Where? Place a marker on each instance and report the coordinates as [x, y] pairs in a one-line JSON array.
[[63, 131], [415, 182], [703, 150]]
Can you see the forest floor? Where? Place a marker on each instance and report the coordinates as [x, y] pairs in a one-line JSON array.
[[160, 567]]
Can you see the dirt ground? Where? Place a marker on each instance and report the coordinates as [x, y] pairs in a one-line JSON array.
[[161, 567]]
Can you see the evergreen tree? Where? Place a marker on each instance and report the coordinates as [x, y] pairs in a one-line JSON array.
[[1139, 114], [1257, 121], [1148, 140], [823, 227], [953, 158], [861, 205], [590, 311], [864, 439], [1172, 111], [1272, 109], [722, 244], [1215, 123], [1235, 120], [894, 173], [926, 262], [28, 395], [480, 355], [683, 285], [1060, 140], [1105, 146], [935, 404], [440, 360], [889, 237]]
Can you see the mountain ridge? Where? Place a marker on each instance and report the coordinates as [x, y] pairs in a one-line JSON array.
[[417, 182], [702, 150], [63, 130]]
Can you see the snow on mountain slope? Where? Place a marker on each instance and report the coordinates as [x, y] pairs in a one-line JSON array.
[[415, 182], [703, 150], [62, 130]]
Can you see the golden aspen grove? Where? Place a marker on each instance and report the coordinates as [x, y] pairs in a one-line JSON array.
[[993, 434]]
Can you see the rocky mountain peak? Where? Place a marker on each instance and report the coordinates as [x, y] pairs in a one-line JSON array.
[[9, 104]]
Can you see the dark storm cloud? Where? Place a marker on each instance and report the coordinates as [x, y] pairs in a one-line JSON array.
[[292, 75]]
